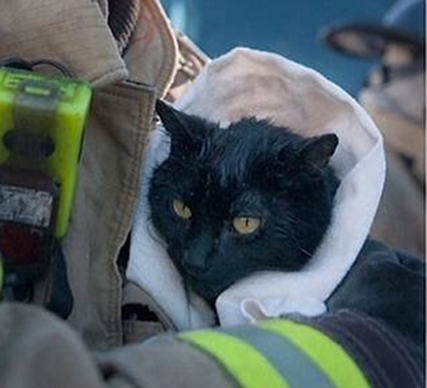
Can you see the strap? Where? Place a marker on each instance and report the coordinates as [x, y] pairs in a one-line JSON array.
[[61, 298]]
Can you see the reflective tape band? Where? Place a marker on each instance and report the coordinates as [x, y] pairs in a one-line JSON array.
[[293, 364], [328, 355], [247, 366]]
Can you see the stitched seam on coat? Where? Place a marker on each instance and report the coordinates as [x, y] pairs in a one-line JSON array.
[[123, 213], [100, 79]]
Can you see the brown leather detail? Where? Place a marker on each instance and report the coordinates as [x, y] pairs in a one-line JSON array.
[[191, 62]]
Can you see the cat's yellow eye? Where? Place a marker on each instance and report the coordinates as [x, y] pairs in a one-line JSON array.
[[181, 209], [246, 225]]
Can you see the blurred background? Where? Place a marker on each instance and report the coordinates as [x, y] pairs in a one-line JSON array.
[[375, 50], [290, 28]]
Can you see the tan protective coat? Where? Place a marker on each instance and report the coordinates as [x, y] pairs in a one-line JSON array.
[[76, 34]]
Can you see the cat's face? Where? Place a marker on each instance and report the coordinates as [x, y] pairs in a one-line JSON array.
[[229, 202]]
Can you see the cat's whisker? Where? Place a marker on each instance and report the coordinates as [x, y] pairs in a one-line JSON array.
[[304, 251]]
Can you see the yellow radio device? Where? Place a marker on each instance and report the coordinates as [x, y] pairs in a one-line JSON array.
[[42, 120]]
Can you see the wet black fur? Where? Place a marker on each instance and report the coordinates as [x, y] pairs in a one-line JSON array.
[[251, 168]]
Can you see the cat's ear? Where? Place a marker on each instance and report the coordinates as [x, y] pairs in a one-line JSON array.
[[186, 131], [319, 150], [175, 122]]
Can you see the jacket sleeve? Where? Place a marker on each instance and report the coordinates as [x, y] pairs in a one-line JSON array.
[[389, 286], [39, 350]]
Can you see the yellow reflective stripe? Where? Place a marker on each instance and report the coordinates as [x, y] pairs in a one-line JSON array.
[[250, 368], [328, 355]]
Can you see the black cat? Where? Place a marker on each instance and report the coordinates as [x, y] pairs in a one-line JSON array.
[[229, 202]]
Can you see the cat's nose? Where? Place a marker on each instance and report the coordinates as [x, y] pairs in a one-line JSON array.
[[195, 263], [199, 249]]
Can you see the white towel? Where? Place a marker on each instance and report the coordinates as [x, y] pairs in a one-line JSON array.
[[247, 82]]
